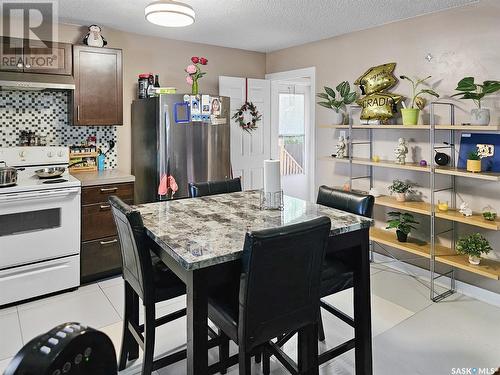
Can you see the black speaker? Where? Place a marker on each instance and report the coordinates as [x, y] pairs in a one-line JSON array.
[[69, 348]]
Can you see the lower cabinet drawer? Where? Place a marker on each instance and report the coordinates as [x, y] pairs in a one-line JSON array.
[[98, 222], [100, 258]]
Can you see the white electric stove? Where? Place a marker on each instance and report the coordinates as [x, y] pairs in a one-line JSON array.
[[39, 226]]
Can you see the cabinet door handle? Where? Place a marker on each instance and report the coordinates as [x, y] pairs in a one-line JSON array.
[[78, 112], [19, 65], [107, 190], [105, 206], [108, 242], [27, 66]]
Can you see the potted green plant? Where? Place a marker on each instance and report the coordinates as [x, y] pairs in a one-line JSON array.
[[400, 189], [473, 245], [337, 102], [476, 92], [402, 222], [418, 102], [489, 213], [474, 162]]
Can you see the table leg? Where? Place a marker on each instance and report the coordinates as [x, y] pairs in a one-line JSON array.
[[362, 309], [197, 318]]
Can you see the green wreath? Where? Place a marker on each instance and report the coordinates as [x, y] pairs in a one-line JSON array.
[[239, 117]]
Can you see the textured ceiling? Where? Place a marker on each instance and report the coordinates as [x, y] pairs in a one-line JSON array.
[[257, 25]]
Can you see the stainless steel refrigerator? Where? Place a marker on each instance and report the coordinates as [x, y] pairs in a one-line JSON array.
[[167, 143]]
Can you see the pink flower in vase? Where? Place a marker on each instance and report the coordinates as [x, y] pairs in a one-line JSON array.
[[191, 69], [189, 80]]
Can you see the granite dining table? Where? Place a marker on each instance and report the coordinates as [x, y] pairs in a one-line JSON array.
[[201, 241]]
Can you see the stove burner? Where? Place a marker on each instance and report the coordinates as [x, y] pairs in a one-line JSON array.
[[55, 181]]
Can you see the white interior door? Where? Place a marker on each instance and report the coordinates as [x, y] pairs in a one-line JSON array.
[[249, 150]]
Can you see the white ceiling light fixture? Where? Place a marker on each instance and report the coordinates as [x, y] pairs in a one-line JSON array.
[[170, 13]]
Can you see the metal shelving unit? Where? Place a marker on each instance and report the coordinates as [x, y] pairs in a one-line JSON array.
[[432, 251]]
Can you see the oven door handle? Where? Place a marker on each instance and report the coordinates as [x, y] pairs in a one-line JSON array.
[[37, 195]]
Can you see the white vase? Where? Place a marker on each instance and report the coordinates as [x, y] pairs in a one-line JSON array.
[[480, 116], [337, 118], [401, 197], [474, 260]]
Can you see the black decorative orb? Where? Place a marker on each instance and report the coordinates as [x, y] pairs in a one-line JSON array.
[[442, 159]]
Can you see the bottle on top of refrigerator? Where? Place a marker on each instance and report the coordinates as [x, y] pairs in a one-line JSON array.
[[157, 81], [151, 84], [142, 85]]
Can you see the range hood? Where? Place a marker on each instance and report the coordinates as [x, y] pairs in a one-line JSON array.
[[35, 82]]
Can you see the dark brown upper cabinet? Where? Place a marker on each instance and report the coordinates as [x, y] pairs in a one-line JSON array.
[[33, 56], [47, 57], [98, 96]]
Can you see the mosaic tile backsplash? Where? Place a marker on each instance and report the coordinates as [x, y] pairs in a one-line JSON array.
[[46, 113]]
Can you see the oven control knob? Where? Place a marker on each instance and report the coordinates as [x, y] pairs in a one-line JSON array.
[[49, 154], [22, 154], [60, 154]]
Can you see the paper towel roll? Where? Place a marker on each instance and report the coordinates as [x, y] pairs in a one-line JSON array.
[[272, 176]]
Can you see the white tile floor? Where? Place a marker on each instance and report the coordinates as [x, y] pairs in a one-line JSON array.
[[411, 334]]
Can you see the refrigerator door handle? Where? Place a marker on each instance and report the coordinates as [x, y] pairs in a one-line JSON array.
[[163, 162]]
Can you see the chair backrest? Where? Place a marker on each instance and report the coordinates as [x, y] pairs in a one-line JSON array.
[[279, 285], [355, 203], [136, 256], [201, 189]]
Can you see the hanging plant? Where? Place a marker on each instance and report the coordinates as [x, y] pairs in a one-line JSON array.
[[239, 117]]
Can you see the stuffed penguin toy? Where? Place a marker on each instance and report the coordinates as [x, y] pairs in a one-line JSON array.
[[94, 37]]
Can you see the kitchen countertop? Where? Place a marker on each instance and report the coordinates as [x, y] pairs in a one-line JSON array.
[[200, 232], [111, 176]]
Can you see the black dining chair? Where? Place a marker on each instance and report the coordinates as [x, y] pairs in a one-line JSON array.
[[338, 271], [278, 292], [201, 189], [147, 278]]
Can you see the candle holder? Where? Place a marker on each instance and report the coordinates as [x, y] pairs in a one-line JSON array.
[[271, 201]]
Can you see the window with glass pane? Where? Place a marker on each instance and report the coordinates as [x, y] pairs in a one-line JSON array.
[[291, 133]]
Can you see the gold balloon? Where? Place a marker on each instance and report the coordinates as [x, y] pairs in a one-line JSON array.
[[380, 106], [377, 78]]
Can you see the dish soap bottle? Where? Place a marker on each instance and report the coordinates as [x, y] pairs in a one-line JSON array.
[[101, 158]]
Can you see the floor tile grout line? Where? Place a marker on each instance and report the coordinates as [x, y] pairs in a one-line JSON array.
[[111, 303]]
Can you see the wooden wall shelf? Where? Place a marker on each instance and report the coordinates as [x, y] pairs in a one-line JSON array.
[[424, 208], [489, 176], [462, 128], [381, 163], [488, 267]]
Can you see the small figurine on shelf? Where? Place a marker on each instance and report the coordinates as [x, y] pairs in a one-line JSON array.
[[400, 151], [94, 37], [341, 148], [465, 209]]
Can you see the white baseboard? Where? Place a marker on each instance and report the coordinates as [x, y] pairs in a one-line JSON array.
[[461, 287]]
